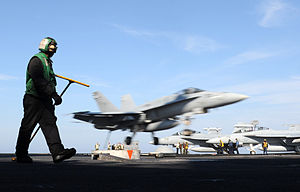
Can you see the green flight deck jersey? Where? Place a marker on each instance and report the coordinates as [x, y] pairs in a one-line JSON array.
[[47, 72]]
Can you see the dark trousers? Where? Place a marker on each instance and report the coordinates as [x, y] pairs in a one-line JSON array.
[[42, 112], [237, 150], [265, 150]]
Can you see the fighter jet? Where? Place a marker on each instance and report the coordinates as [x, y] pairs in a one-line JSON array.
[[157, 115], [252, 137], [193, 138]]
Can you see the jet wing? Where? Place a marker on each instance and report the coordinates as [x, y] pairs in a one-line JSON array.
[[160, 103], [273, 136], [266, 136], [196, 140], [107, 119]]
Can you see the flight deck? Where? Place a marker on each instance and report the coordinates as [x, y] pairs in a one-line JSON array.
[[280, 172]]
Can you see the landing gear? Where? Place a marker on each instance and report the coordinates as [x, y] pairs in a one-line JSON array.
[[128, 140], [155, 140], [252, 151], [107, 139]]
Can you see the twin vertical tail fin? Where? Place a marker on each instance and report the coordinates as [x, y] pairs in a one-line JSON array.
[[104, 104], [127, 103]]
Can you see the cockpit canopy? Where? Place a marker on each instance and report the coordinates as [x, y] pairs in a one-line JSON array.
[[186, 132], [189, 90]]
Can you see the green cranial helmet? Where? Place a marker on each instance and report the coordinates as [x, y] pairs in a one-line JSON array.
[[48, 45]]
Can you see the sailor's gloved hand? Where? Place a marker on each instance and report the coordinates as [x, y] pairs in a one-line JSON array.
[[57, 99]]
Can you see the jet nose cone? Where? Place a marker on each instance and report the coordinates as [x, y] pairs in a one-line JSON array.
[[234, 97], [241, 97]]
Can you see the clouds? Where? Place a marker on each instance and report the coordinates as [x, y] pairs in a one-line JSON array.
[[286, 91], [274, 13], [197, 44], [189, 43], [134, 32], [248, 56], [7, 77]]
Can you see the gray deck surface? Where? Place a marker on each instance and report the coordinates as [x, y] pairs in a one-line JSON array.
[[190, 173]]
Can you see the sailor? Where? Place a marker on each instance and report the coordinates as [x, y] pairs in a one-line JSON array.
[[221, 147], [183, 146], [38, 105], [119, 146], [180, 148], [265, 146], [236, 147], [177, 148], [186, 147], [97, 146], [230, 147], [109, 146]]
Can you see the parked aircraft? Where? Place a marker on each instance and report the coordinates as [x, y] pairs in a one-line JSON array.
[[249, 135], [193, 138], [253, 136], [157, 115]]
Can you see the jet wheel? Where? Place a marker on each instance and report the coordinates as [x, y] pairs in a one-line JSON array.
[[252, 152], [155, 140], [128, 140]]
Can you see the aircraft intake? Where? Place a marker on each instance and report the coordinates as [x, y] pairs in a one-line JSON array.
[[161, 125]]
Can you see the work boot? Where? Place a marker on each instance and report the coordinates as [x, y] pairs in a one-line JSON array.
[[65, 154], [24, 159]]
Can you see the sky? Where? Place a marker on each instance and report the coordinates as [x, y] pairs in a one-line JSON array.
[[152, 49]]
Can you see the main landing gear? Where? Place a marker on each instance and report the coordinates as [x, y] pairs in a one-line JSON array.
[[155, 139], [128, 140], [252, 149]]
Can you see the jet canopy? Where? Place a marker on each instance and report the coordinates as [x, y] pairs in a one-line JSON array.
[[186, 132], [189, 90]]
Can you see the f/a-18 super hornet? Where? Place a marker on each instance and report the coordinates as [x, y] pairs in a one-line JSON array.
[[157, 115], [193, 138], [251, 136]]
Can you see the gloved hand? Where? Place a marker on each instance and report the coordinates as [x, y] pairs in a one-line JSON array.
[[57, 99]]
